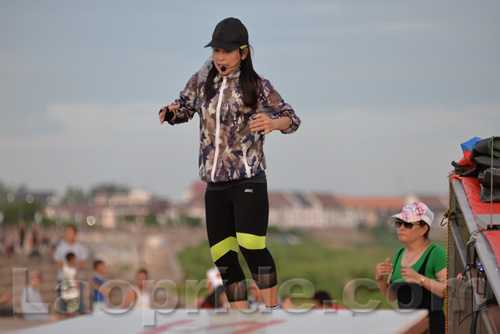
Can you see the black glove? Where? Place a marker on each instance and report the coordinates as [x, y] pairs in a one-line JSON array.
[[168, 115]]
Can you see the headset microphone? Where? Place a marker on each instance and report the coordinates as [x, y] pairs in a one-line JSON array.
[[224, 68]]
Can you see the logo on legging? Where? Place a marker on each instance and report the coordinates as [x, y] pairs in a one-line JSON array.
[[249, 190]]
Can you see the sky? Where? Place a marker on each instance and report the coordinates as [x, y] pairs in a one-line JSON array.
[[386, 90]]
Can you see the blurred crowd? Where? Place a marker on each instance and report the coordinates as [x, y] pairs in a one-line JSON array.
[[70, 256], [22, 240]]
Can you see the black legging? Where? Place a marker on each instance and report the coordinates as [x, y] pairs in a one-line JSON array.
[[238, 216]]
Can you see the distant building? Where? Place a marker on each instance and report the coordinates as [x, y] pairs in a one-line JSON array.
[[194, 201], [328, 210], [112, 210], [369, 211], [287, 209], [42, 197], [319, 210]]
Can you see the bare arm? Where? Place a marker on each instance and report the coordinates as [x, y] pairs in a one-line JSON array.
[[436, 287], [101, 289], [386, 291], [95, 286], [5, 298], [384, 269], [129, 299], [81, 264]]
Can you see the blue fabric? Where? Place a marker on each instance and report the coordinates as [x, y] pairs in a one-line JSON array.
[[98, 297], [469, 145]]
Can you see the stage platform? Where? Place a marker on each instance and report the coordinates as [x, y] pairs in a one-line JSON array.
[[234, 322]]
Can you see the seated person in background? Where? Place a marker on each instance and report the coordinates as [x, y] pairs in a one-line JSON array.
[[32, 304], [287, 303], [322, 301], [138, 297], [416, 277], [217, 299], [213, 280]]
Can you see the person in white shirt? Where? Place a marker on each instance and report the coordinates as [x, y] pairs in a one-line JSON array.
[[69, 244], [138, 297], [70, 290], [32, 304]]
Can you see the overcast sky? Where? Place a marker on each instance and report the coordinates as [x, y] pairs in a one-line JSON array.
[[386, 90]]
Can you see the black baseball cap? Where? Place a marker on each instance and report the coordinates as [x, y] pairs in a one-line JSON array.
[[229, 34]]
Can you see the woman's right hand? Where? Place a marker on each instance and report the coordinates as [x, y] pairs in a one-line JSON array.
[[163, 112], [383, 269]]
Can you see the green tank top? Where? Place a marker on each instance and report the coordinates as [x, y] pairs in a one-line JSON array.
[[435, 263]]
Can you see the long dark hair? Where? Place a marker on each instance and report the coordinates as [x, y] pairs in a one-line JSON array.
[[249, 82]]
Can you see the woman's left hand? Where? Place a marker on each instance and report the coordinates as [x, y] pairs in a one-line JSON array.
[[410, 275], [262, 122]]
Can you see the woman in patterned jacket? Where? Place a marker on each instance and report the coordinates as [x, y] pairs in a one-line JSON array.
[[237, 108]]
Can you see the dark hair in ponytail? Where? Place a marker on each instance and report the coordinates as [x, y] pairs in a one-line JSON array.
[[249, 82]]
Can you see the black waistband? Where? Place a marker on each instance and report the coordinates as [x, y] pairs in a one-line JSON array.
[[259, 178]]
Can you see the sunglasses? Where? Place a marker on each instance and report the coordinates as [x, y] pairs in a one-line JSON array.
[[407, 225]]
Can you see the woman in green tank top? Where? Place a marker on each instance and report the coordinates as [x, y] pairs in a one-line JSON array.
[[416, 277]]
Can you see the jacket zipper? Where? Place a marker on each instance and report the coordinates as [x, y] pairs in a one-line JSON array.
[[217, 126], [245, 163]]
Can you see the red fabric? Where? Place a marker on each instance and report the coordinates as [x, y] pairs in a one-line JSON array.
[[473, 192], [465, 162]]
